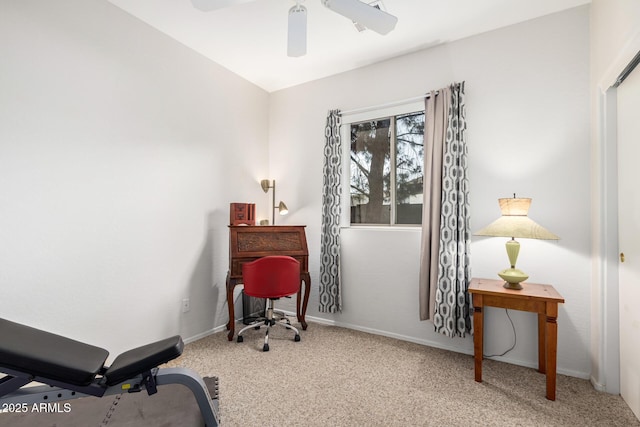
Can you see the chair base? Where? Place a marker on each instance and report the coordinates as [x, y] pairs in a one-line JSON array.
[[269, 321]]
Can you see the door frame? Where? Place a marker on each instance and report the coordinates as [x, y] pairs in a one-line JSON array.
[[605, 305]]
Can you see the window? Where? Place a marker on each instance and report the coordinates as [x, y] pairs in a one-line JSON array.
[[386, 170]]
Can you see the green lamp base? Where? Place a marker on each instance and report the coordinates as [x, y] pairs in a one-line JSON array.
[[512, 278]]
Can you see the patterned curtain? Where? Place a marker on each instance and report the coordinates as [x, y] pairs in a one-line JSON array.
[[451, 303], [452, 309], [330, 292]]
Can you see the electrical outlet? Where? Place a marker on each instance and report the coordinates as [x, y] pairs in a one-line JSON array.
[[186, 305]]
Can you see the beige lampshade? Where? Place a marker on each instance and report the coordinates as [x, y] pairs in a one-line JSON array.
[[514, 222], [266, 185], [282, 208]]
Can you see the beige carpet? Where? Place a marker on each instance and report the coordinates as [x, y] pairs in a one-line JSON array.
[[341, 377]]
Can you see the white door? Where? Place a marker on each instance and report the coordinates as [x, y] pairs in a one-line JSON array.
[[629, 237]]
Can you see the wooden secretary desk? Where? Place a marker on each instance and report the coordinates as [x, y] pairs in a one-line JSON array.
[[248, 243]]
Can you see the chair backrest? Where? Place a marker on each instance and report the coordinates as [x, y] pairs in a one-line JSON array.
[[272, 276]]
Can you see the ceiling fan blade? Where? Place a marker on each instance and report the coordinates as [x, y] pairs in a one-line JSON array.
[[209, 5], [371, 17], [297, 32]]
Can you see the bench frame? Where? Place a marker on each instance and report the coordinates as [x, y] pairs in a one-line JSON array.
[[75, 369], [12, 389]]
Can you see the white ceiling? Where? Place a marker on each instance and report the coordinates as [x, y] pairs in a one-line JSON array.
[[251, 39]]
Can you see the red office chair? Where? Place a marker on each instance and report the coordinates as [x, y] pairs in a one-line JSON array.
[[271, 277]]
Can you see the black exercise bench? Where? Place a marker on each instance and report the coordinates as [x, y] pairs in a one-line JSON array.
[[71, 369]]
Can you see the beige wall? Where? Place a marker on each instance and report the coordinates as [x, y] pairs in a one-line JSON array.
[[120, 151]]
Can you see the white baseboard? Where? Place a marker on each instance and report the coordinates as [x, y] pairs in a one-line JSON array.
[[204, 334]]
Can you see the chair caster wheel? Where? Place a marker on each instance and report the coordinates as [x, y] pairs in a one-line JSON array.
[[296, 338], [265, 347], [240, 338], [256, 327]]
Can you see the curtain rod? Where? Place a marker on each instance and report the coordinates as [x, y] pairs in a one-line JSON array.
[[387, 105]]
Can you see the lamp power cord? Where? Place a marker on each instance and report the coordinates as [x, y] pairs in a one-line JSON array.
[[515, 339]]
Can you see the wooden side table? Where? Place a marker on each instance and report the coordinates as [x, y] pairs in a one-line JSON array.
[[541, 299]]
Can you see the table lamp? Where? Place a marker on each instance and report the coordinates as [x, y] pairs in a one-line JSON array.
[[513, 223]]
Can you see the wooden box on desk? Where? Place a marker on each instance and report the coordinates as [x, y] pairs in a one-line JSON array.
[[242, 214]]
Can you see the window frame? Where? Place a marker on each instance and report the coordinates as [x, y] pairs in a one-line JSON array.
[[345, 135]]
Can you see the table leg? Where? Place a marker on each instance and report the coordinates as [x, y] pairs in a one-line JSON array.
[[231, 284], [542, 343], [552, 348], [302, 308], [478, 330]]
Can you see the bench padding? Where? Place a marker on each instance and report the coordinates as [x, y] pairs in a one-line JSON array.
[[142, 359], [39, 353]]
